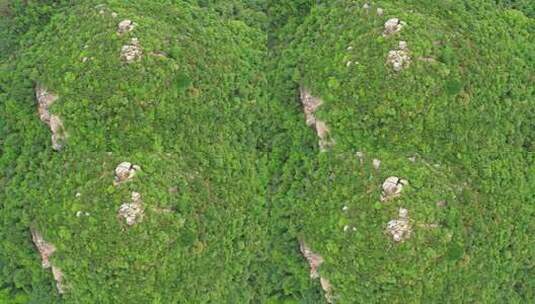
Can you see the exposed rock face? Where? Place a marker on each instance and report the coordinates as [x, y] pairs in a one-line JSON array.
[[392, 188], [399, 59], [132, 213], [322, 130], [393, 26], [315, 261], [46, 250], [310, 106], [45, 99], [131, 52], [327, 288], [125, 26], [125, 171], [400, 229], [58, 277]]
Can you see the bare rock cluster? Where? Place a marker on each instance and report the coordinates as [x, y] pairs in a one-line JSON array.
[[399, 59], [310, 106], [45, 99], [400, 229], [131, 52], [315, 260], [46, 250], [132, 212]]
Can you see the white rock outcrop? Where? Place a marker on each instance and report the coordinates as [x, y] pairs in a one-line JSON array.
[[46, 250], [392, 26], [400, 229], [125, 26], [399, 59], [132, 213], [392, 188], [125, 171], [45, 99], [132, 51], [310, 106], [315, 260]]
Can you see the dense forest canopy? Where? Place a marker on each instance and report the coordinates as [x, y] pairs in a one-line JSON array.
[[247, 151]]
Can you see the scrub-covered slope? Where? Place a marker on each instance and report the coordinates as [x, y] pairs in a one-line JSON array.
[[174, 92], [266, 152], [438, 95]]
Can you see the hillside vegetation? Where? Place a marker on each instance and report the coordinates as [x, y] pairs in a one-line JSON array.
[[239, 198]]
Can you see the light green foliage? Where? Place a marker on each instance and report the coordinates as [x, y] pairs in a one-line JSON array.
[[231, 177]]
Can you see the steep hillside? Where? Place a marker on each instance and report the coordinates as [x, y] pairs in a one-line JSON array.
[[440, 95], [199, 151], [179, 103]]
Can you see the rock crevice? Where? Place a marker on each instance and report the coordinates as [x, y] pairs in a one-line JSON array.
[[46, 250], [314, 261]]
